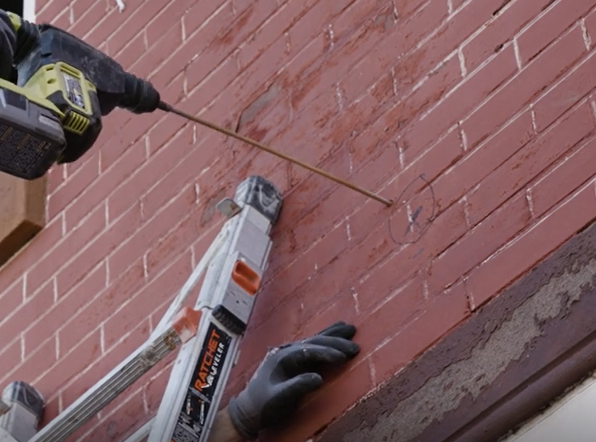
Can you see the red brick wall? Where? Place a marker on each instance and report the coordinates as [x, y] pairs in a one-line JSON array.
[[477, 116]]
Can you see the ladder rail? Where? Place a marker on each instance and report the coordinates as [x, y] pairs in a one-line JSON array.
[[161, 343], [211, 264], [213, 250], [109, 387], [233, 267], [203, 365]]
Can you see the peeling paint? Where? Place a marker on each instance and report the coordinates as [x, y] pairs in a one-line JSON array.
[[356, 301], [257, 105], [488, 359]]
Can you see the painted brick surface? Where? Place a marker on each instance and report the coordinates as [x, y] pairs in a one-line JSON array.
[[475, 116]]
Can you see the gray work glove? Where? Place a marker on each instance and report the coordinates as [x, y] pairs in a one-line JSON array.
[[286, 375], [8, 44]]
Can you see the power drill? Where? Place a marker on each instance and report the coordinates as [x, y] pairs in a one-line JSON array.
[[52, 112]]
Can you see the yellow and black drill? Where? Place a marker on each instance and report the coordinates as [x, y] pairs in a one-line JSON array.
[[52, 112]]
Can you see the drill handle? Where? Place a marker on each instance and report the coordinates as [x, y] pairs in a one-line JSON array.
[[27, 34]]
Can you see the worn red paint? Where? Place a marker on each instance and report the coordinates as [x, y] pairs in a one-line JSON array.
[[486, 149]]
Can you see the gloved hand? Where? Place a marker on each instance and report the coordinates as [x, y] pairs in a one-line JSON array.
[[8, 43], [286, 375]]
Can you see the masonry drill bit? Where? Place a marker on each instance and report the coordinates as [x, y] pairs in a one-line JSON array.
[[168, 108]]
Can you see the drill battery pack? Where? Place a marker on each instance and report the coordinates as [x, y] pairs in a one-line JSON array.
[[31, 134]]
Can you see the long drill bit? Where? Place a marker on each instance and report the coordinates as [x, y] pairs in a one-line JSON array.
[[168, 108]]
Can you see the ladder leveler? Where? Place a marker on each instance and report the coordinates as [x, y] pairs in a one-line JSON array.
[[207, 337]]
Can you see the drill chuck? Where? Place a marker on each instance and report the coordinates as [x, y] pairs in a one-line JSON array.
[[139, 95]]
